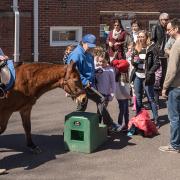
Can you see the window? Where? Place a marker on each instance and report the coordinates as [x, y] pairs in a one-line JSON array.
[[126, 25], [104, 30], [151, 24], [65, 35]]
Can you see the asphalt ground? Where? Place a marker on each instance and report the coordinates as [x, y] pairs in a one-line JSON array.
[[121, 157]]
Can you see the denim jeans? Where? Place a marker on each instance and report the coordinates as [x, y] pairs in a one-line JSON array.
[[139, 90], [174, 116], [150, 95], [99, 99], [123, 111]]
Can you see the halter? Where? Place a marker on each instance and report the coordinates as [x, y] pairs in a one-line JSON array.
[[65, 83]]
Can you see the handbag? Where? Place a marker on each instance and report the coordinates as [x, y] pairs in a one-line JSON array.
[[132, 75]]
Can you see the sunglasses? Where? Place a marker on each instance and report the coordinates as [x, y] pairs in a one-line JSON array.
[[141, 36], [164, 19], [170, 30]]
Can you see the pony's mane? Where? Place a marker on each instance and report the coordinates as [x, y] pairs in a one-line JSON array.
[[17, 64], [43, 62]]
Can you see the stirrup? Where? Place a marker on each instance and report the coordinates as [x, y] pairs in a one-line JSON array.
[[2, 93]]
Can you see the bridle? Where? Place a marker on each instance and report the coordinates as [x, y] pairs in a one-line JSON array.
[[66, 84], [72, 94]]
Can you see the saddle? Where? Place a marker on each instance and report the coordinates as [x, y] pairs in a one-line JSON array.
[[7, 77]]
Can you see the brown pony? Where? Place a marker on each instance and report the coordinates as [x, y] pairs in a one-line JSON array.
[[33, 80]]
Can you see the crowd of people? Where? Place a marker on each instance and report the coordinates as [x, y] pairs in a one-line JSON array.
[[132, 66], [127, 85]]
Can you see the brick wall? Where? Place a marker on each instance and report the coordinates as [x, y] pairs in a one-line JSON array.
[[85, 13], [65, 13], [7, 25], [171, 6]]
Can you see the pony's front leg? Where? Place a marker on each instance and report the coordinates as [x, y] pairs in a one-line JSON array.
[[4, 117], [26, 121]]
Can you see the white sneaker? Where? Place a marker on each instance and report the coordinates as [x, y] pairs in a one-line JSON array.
[[3, 171], [169, 148]]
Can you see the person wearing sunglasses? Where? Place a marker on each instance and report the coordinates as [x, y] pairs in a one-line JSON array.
[[115, 41], [145, 60], [158, 33], [171, 88], [160, 37]]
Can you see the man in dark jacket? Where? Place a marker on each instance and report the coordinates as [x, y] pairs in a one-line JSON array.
[[160, 37], [158, 34]]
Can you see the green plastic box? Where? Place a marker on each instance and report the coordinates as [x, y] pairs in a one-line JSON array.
[[83, 133]]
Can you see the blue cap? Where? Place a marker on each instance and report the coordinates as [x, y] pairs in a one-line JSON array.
[[90, 39]]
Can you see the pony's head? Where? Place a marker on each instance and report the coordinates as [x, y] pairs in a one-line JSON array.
[[72, 84]]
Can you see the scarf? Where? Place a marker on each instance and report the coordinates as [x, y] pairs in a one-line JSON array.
[[116, 34]]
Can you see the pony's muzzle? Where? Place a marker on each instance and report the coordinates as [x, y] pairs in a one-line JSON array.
[[82, 98]]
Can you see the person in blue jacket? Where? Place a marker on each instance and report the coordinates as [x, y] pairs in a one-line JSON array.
[[84, 60]]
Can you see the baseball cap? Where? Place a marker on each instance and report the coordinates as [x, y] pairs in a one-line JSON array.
[[90, 39]]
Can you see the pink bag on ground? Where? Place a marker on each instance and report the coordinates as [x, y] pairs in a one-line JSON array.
[[143, 122]]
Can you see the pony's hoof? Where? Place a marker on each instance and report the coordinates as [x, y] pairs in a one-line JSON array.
[[36, 150]]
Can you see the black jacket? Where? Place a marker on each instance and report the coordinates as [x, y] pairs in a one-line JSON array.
[[152, 63], [160, 37]]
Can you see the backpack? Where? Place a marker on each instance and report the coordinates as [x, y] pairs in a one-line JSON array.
[[143, 124]]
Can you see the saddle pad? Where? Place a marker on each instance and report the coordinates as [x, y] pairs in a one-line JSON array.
[[12, 74]]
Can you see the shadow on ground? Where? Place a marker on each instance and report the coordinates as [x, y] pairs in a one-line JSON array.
[[116, 141], [163, 120], [50, 146]]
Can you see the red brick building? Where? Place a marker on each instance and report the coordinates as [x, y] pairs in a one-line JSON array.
[[47, 26]]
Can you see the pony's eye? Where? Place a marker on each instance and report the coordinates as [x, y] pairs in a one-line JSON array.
[[76, 81]]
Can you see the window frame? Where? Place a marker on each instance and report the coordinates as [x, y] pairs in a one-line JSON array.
[[77, 29], [101, 30]]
